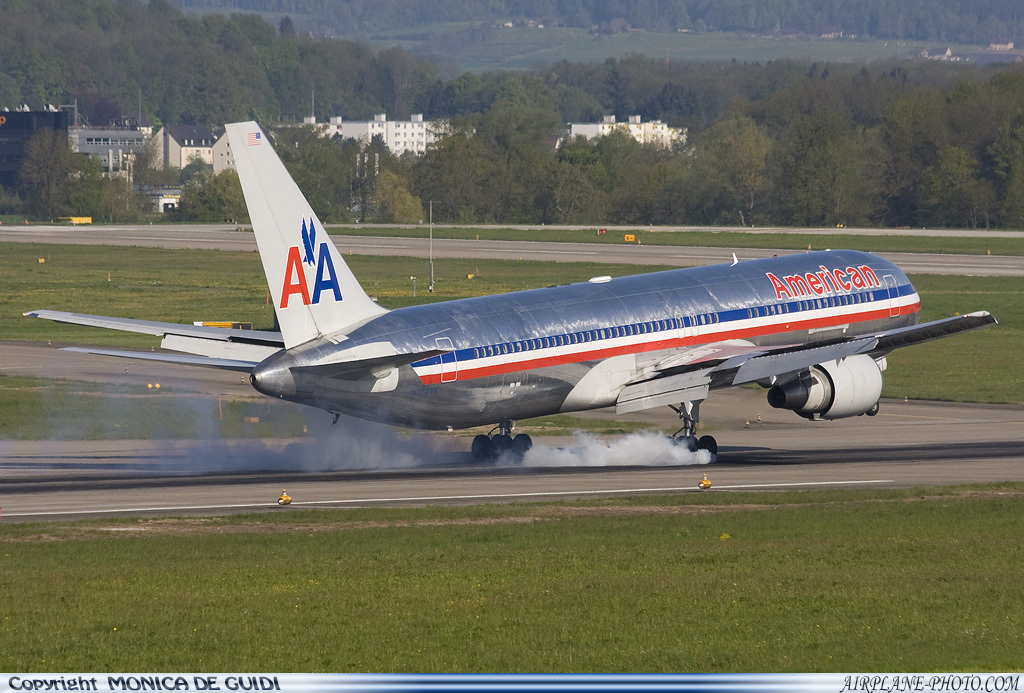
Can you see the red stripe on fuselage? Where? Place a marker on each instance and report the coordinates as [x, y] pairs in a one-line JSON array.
[[468, 372]]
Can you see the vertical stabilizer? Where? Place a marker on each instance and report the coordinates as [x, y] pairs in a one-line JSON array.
[[314, 291]]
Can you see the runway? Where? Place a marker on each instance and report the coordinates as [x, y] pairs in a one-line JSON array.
[[220, 237], [364, 465]]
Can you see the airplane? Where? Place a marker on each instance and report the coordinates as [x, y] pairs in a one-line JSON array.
[[814, 329]]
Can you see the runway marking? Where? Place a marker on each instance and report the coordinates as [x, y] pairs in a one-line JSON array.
[[411, 499]]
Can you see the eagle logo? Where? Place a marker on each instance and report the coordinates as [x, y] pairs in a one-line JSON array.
[[308, 241]]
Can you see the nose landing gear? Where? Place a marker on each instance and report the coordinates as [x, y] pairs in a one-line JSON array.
[[491, 447]]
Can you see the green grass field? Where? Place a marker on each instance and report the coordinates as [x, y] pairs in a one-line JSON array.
[[714, 239], [880, 580], [525, 48]]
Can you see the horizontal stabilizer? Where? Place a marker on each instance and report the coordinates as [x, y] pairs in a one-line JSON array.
[[184, 359], [217, 347], [161, 329]]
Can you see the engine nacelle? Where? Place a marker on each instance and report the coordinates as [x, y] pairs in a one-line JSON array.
[[832, 390]]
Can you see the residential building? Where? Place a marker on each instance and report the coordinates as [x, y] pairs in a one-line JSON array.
[[653, 132], [400, 136], [179, 144], [223, 159], [940, 54]]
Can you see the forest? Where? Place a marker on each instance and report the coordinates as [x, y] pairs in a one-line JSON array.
[[790, 142]]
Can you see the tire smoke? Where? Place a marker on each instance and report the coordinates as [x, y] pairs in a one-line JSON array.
[[646, 448]]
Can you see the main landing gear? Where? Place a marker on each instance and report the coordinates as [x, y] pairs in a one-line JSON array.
[[689, 412], [491, 447]]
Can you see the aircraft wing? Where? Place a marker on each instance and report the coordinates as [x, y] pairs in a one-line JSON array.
[[215, 347], [690, 375]]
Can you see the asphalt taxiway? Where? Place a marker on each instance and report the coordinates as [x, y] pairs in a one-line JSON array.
[[219, 237]]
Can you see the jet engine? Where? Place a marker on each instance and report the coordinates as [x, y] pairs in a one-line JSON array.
[[832, 390]]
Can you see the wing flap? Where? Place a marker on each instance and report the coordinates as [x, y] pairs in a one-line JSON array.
[[659, 392]]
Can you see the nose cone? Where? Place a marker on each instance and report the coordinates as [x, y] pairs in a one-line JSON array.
[[273, 379]]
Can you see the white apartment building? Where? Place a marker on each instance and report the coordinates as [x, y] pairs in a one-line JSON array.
[[223, 159], [653, 132], [400, 136], [179, 144]]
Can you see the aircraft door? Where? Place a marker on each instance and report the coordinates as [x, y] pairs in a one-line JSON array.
[[890, 285], [449, 362], [681, 329], [687, 326]]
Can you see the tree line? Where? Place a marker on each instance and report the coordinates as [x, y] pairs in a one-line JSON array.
[[839, 145], [891, 143], [854, 146]]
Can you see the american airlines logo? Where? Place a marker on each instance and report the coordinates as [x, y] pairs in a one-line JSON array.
[[827, 281], [296, 283]]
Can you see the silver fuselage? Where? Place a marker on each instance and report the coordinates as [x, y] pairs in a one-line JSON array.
[[574, 347]]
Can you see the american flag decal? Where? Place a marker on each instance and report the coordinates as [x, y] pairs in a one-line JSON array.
[[254, 139]]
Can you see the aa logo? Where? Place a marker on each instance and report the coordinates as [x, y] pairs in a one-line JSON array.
[[296, 283]]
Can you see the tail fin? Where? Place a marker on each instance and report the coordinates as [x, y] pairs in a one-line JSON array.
[[314, 291]]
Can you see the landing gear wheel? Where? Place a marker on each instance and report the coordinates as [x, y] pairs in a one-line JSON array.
[[483, 449], [502, 444], [521, 444], [688, 442], [873, 410], [708, 443]]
